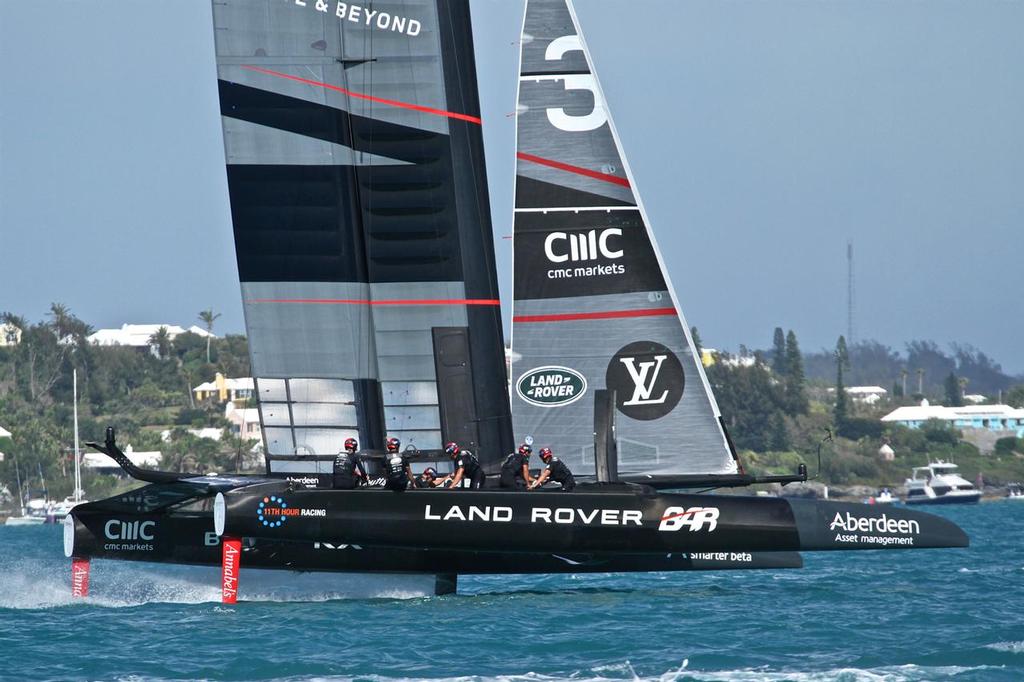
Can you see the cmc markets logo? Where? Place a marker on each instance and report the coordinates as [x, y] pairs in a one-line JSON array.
[[578, 250], [694, 518], [647, 378], [560, 247], [115, 529], [551, 386]]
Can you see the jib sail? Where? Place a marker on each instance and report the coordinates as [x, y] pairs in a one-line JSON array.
[[593, 304], [359, 202]]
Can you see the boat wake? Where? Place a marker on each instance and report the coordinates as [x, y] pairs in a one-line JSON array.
[[38, 585], [1007, 647]]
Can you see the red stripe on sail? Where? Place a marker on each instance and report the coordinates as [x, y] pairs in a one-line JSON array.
[[357, 301], [604, 177], [371, 98], [605, 315]]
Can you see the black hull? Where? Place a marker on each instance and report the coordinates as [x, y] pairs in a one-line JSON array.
[[607, 528], [189, 539]]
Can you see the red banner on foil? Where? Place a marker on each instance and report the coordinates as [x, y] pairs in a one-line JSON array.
[[79, 577], [230, 564]]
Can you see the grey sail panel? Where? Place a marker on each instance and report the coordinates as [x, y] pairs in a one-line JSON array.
[[593, 304], [353, 149]]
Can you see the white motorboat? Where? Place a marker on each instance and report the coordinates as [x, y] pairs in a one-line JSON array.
[[939, 483]]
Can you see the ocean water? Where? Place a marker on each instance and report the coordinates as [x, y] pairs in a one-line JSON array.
[[870, 615]]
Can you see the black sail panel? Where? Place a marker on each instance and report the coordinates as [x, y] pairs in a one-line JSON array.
[[593, 305], [355, 169]]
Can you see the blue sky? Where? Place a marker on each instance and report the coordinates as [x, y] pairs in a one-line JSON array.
[[762, 136]]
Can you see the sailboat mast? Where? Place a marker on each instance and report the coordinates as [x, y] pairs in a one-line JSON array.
[[78, 471], [21, 495]]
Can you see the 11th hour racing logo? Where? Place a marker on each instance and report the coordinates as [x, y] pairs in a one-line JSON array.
[[273, 511], [364, 16], [578, 250]]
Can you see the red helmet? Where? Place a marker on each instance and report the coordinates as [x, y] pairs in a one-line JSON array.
[[452, 450], [351, 445], [545, 454], [525, 450], [393, 444]]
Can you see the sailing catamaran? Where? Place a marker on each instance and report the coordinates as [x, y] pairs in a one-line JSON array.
[[355, 167]]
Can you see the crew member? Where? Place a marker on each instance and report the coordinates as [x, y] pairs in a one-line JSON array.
[[556, 470], [397, 472], [515, 470], [466, 466], [429, 479], [348, 472]]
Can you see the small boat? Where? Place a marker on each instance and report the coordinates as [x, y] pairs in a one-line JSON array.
[[1015, 491], [939, 483], [58, 510], [884, 496], [32, 514]]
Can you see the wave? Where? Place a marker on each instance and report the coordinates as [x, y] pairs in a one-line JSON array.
[[625, 671], [1007, 647], [34, 585]]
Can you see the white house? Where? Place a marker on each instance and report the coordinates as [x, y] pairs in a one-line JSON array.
[[988, 417], [869, 395], [139, 335], [4, 433], [102, 464], [208, 432]]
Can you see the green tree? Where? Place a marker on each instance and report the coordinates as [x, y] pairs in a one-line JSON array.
[[840, 412], [779, 356], [1015, 396], [778, 435], [697, 345], [795, 393], [208, 317], [161, 341], [952, 387]]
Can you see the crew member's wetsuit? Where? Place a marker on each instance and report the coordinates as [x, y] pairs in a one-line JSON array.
[[558, 471], [396, 472], [347, 471], [512, 472], [471, 469]]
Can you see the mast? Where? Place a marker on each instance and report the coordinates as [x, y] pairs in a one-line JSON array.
[[594, 307], [21, 494], [78, 472]]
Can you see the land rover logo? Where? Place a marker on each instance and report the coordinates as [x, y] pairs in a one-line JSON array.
[[647, 378], [551, 386]]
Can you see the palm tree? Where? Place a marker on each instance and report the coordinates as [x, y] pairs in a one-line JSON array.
[[208, 317], [920, 381], [161, 341]]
